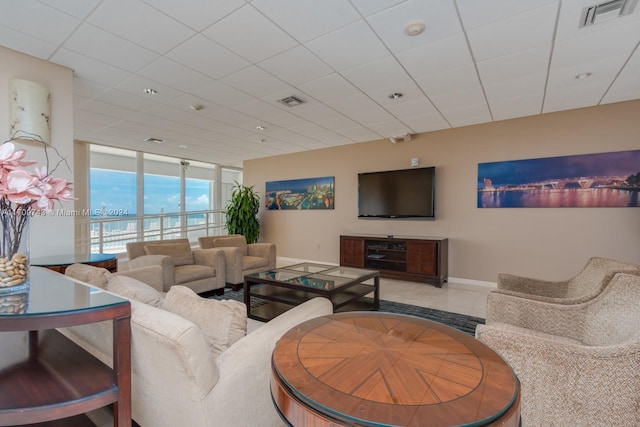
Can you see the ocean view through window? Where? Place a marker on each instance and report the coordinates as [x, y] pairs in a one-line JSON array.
[[177, 198]]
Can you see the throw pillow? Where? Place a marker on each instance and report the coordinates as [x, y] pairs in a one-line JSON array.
[[222, 322], [92, 275], [136, 290], [180, 252]]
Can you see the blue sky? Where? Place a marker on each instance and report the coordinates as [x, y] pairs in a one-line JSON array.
[[117, 190]]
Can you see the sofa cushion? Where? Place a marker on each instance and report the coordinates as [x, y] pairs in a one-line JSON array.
[[232, 241], [191, 273], [86, 273], [180, 251], [134, 289], [222, 322]]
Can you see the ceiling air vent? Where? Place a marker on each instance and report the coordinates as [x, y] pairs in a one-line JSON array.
[[291, 101], [606, 11]]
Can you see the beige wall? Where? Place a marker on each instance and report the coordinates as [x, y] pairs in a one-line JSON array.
[[52, 234], [546, 243]]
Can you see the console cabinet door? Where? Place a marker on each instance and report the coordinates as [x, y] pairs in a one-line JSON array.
[[351, 252], [422, 257]]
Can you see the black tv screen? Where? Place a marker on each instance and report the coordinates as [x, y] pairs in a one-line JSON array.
[[406, 193]]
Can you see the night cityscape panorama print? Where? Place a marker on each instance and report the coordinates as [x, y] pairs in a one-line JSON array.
[[582, 181]]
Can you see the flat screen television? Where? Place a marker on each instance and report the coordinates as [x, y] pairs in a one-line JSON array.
[[406, 193]]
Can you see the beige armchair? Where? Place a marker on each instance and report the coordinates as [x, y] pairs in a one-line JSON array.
[[579, 364], [200, 269], [241, 258], [584, 286]]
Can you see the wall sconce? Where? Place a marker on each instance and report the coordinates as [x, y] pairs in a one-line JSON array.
[[29, 111]]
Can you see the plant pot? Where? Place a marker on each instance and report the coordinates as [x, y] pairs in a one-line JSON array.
[[14, 251]]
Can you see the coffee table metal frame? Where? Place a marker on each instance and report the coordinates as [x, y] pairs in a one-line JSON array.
[[289, 286]]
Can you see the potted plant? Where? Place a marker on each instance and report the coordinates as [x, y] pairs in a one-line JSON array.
[[242, 211]]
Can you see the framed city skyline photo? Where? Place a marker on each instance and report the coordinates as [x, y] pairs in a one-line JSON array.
[[586, 181], [300, 194]]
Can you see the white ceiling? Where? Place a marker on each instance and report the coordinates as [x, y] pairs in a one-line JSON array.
[[476, 62]]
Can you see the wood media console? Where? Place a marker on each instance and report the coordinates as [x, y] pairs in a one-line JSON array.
[[404, 258]]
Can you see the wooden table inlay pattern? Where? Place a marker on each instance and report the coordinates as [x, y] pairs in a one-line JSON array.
[[386, 369]]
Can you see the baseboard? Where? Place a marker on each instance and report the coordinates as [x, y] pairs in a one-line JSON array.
[[452, 281]]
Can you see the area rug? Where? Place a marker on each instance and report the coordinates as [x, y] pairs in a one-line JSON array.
[[462, 322]]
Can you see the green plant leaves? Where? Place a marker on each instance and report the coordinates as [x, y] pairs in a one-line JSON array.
[[242, 211]]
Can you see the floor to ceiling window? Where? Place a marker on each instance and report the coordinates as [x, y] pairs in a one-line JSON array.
[[134, 196]]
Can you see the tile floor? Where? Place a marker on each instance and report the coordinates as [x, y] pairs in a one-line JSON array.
[[454, 297]]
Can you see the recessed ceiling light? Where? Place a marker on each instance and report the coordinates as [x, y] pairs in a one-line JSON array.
[[582, 76], [182, 146], [197, 107], [260, 127], [149, 91], [156, 140], [395, 95], [263, 140], [414, 28]]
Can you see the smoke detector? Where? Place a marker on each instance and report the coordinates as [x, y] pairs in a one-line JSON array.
[[606, 11]]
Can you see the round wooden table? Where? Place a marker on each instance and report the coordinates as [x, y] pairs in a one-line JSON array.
[[383, 369]]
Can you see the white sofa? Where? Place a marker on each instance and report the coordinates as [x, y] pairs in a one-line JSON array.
[[176, 378]]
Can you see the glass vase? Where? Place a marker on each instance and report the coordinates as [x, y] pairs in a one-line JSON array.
[[14, 251]]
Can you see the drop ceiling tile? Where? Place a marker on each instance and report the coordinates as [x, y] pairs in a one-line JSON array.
[[141, 24], [467, 115], [369, 7], [594, 46], [567, 98], [135, 84], [175, 75], [250, 34], [359, 134], [436, 57], [416, 107], [106, 109], [297, 65], [519, 106], [34, 19], [390, 128], [463, 78], [376, 74], [105, 47], [228, 116], [25, 43], [478, 13], [426, 122], [330, 138], [125, 100], [217, 62], [603, 70], [87, 117], [255, 81], [88, 68], [439, 17], [258, 108], [329, 88], [627, 84], [358, 44], [513, 34], [87, 88], [308, 19], [515, 65], [455, 98], [197, 14], [223, 94], [520, 85]]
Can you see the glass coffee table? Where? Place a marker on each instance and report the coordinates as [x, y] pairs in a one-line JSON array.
[[286, 287]]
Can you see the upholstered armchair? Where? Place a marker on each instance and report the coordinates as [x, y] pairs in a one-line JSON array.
[[579, 364], [584, 286], [200, 269], [241, 258]]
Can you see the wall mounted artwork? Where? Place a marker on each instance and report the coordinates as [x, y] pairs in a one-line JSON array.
[[584, 181], [301, 194]]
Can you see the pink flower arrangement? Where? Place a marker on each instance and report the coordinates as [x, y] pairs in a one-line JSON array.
[[24, 193]]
